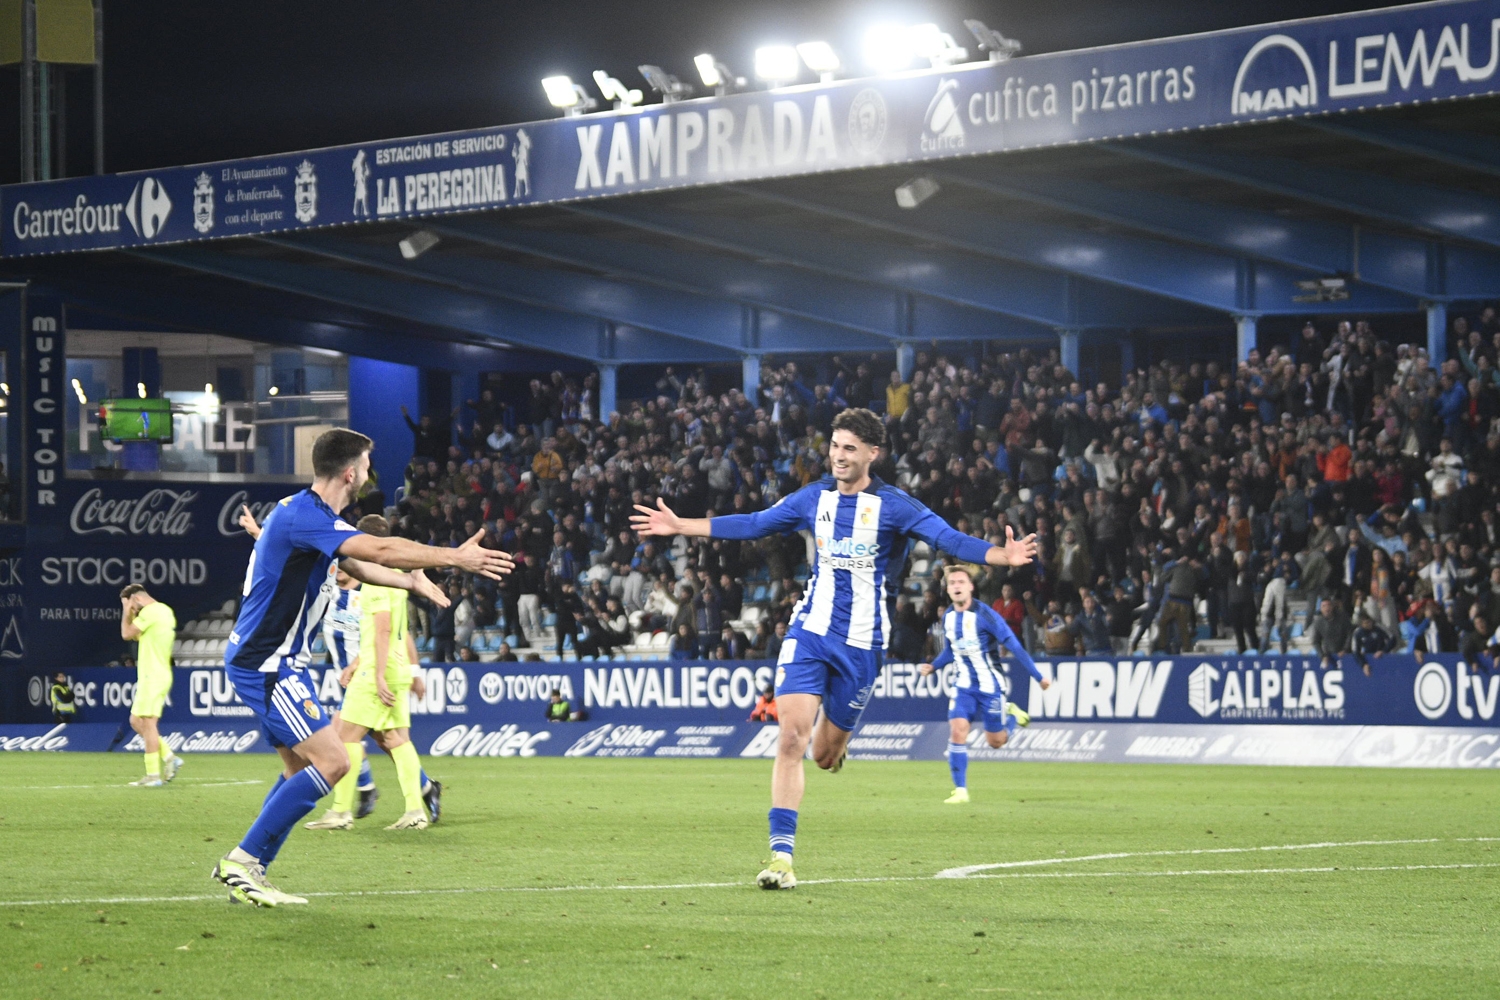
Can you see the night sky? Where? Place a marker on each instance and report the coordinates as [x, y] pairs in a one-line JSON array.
[[194, 81]]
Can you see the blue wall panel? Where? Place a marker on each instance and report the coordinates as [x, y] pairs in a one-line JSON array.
[[377, 391]]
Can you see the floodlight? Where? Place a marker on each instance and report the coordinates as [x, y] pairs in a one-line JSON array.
[[560, 91], [715, 74], [614, 90], [888, 48], [915, 191], [563, 93], [820, 58], [777, 64], [997, 45], [418, 243], [708, 70], [936, 45], [668, 86]]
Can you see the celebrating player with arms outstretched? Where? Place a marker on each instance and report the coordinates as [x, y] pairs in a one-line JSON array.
[[973, 631], [832, 651], [269, 649]]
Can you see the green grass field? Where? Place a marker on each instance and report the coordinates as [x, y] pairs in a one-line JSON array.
[[615, 878]]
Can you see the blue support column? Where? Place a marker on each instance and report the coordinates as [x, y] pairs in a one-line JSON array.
[[1437, 333], [1127, 355], [607, 403], [906, 359], [750, 377], [1068, 349], [1245, 337]]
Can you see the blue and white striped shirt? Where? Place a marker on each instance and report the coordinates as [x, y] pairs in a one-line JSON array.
[[862, 541], [341, 622], [974, 640]]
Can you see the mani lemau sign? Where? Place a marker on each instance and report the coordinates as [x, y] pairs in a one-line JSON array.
[[1406, 55]]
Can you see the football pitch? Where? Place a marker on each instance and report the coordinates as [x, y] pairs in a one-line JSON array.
[[618, 878]]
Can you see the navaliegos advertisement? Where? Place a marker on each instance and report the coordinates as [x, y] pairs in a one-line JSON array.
[[1438, 712]]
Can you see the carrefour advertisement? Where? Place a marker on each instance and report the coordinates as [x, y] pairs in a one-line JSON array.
[[1413, 54], [1272, 710]]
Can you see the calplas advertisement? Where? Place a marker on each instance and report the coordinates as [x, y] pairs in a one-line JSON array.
[[1270, 710], [1405, 55]]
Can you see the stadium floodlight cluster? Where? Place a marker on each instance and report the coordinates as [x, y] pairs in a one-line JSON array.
[[888, 48]]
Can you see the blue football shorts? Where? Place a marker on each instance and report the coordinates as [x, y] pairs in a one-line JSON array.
[[971, 703], [283, 702], [839, 674]]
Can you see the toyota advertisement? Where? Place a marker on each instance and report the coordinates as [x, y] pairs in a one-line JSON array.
[[1439, 712]]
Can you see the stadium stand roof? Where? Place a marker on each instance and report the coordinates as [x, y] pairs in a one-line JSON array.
[[1334, 165]]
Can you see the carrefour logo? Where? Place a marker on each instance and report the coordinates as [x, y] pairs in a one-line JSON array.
[[1301, 93]]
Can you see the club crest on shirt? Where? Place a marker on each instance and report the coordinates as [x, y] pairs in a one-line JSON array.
[[310, 707]]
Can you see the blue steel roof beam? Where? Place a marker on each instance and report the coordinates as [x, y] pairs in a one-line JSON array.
[[194, 312], [856, 305], [513, 322], [1309, 243], [1026, 294], [1455, 214], [1384, 259], [1157, 267], [1468, 151], [692, 317]]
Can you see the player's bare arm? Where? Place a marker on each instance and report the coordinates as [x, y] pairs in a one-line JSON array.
[[402, 553], [382, 656], [128, 629], [414, 582], [247, 521]]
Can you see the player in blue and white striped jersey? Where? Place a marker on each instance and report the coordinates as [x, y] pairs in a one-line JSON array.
[[832, 652], [270, 645], [976, 634]]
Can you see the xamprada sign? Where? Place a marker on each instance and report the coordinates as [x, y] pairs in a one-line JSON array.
[[1405, 55]]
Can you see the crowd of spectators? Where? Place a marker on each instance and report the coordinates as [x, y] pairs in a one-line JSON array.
[[1344, 470]]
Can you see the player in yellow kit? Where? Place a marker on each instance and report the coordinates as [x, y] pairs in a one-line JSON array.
[[153, 626], [377, 700]]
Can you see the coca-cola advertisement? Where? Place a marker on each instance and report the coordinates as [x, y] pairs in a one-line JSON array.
[[181, 540]]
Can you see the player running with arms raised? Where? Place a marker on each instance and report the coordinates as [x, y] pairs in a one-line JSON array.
[[283, 607], [832, 651], [975, 631]]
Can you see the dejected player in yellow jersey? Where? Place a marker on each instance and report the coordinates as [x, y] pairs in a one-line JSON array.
[[153, 626], [377, 700]]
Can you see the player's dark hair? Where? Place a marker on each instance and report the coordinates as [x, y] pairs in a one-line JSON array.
[[130, 590], [862, 424], [336, 450], [374, 524]]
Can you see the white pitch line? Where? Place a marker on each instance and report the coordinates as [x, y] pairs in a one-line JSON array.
[[199, 783], [115, 900], [968, 870]]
